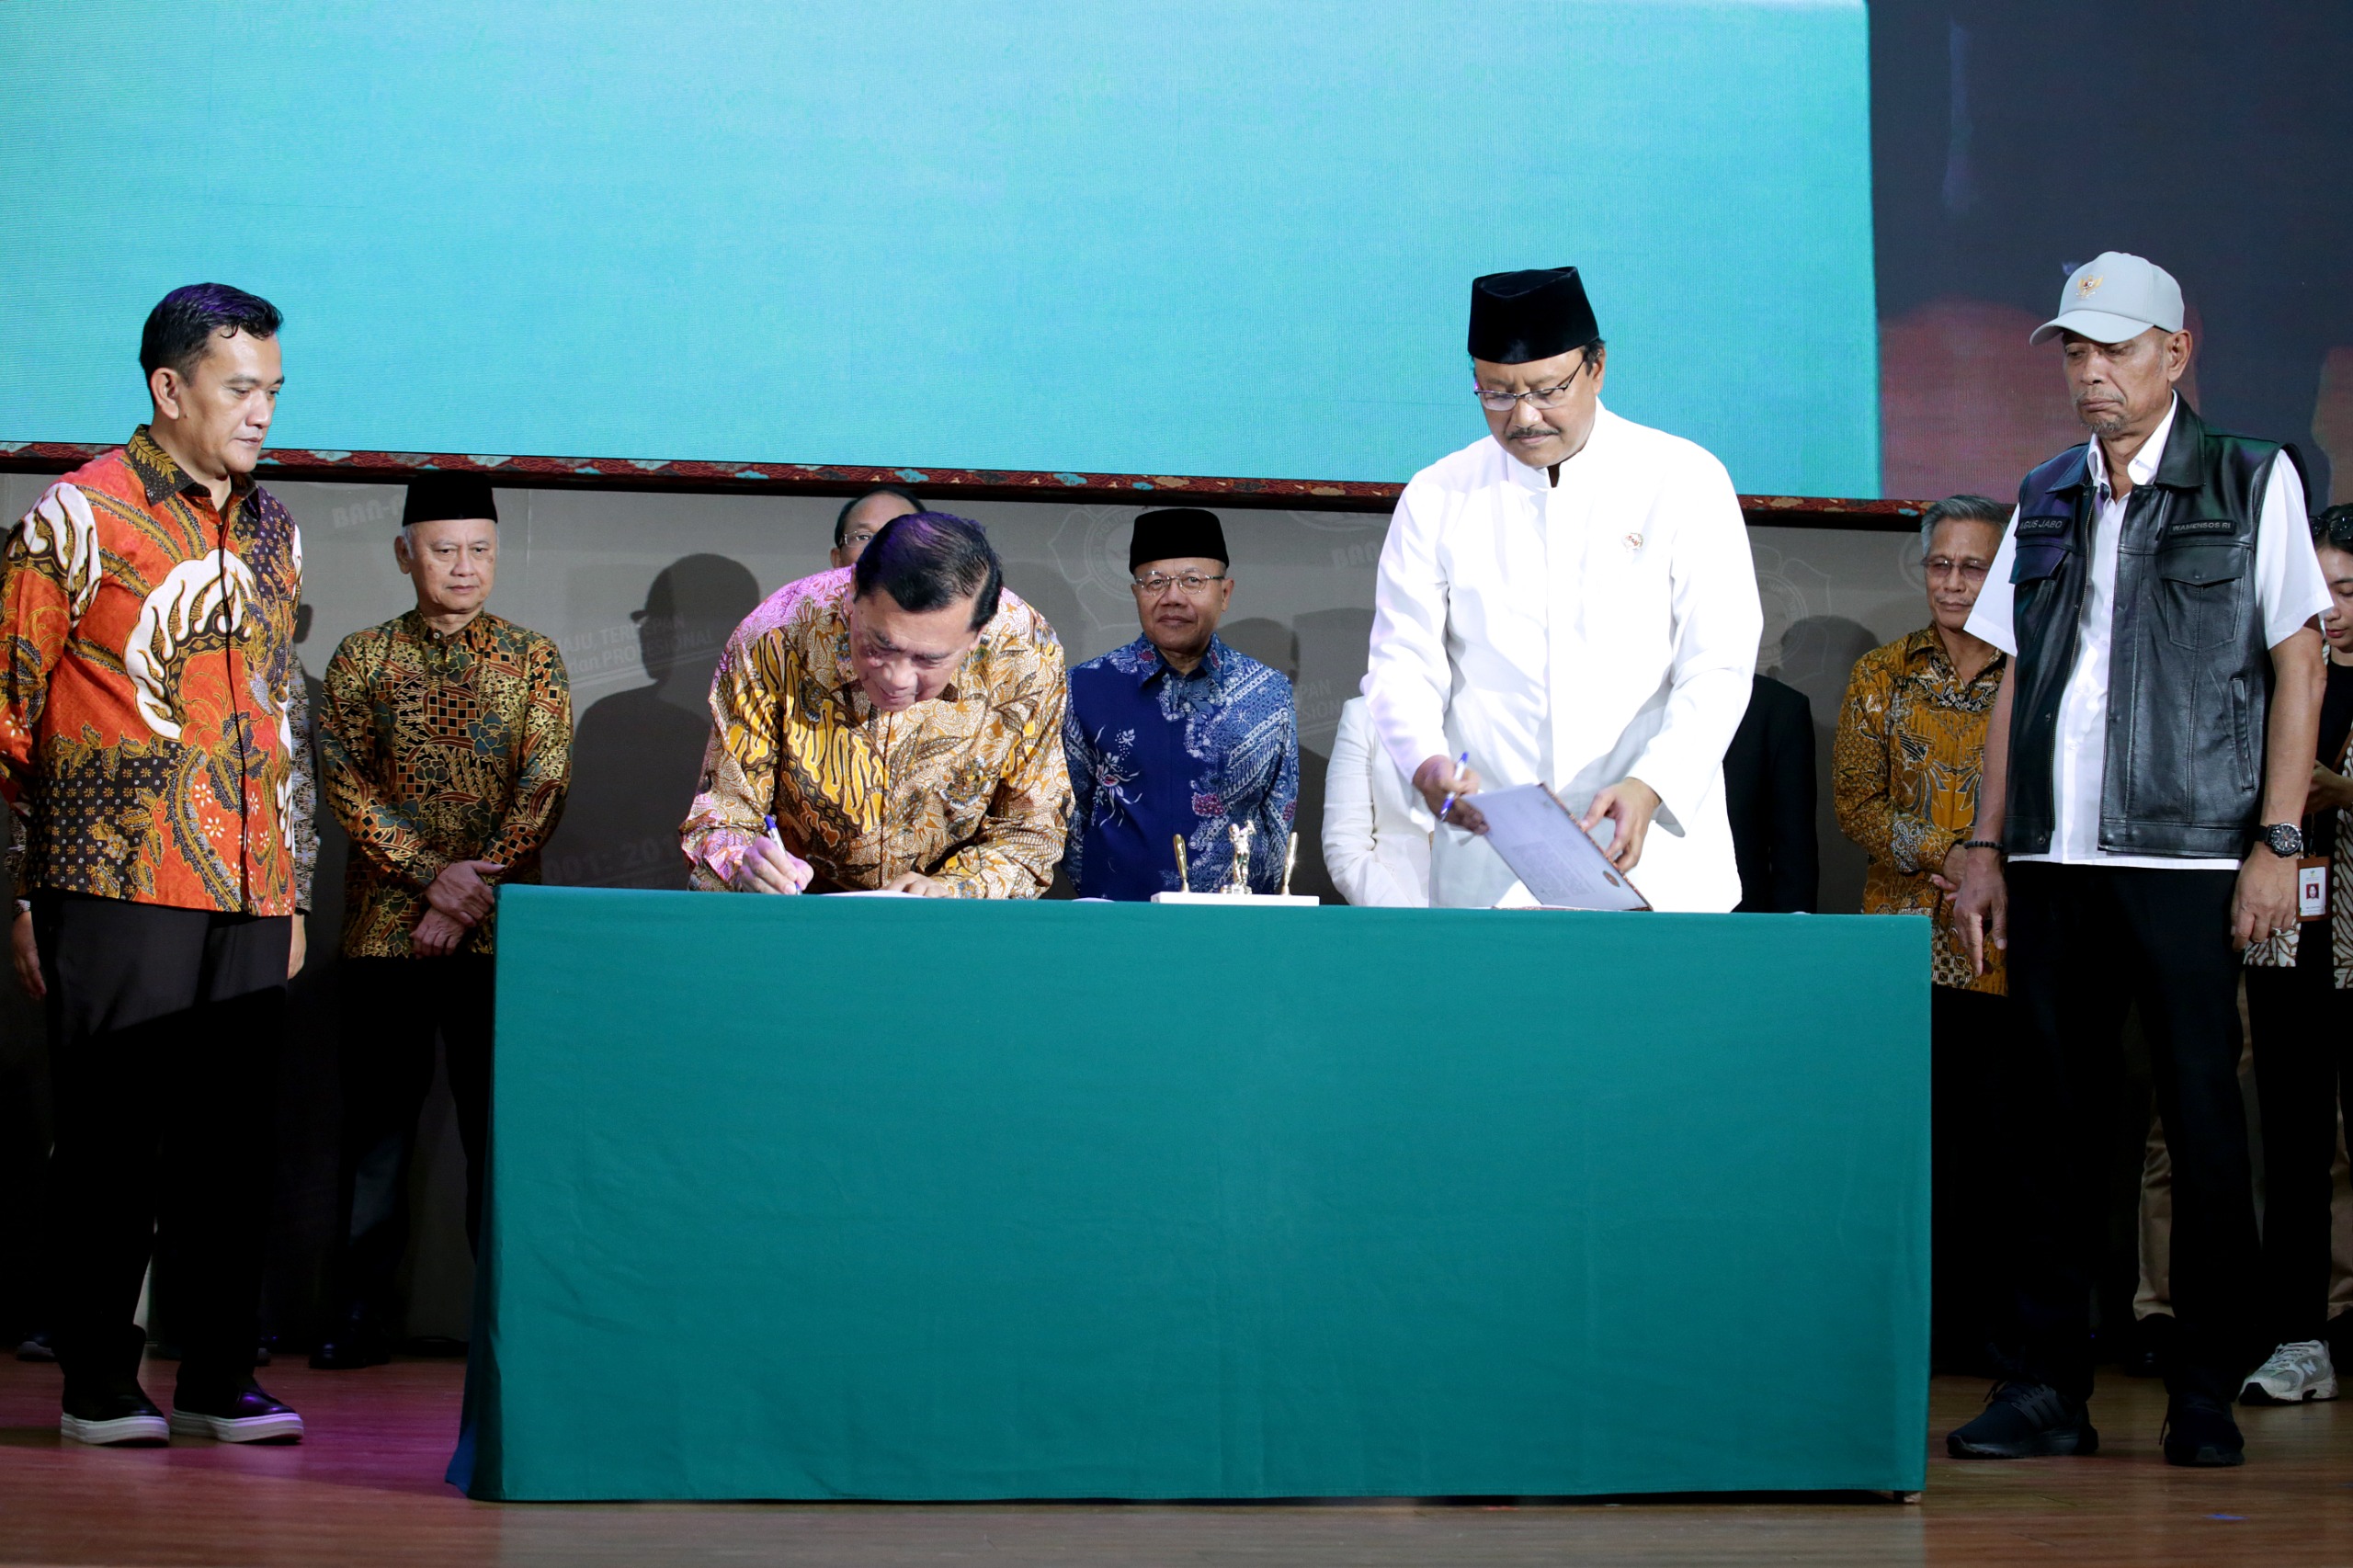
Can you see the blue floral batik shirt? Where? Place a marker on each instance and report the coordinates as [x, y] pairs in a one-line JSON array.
[[1154, 755]]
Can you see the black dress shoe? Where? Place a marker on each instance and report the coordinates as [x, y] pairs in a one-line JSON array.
[[245, 1414], [37, 1347], [2200, 1433], [2151, 1347], [2025, 1421], [350, 1345], [119, 1417]]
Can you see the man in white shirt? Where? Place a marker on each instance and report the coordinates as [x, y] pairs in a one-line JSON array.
[[1569, 601], [2145, 768]]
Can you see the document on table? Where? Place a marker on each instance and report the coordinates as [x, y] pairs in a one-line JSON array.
[[1559, 862]]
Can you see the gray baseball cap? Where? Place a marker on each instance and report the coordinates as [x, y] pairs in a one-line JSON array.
[[2113, 297]]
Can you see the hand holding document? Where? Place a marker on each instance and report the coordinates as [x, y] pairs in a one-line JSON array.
[[1558, 862]]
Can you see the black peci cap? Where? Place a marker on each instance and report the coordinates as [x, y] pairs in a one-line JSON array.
[[1519, 316], [1175, 533], [435, 498]]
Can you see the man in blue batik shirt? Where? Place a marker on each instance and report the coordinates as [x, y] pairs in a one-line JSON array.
[[1177, 734]]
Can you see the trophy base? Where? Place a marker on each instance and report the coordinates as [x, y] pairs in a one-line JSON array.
[[1255, 900]]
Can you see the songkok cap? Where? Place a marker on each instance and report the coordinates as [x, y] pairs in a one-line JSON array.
[[1519, 316], [2115, 297], [434, 498], [1176, 533]]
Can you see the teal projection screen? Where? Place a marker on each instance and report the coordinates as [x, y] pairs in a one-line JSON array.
[[1192, 237]]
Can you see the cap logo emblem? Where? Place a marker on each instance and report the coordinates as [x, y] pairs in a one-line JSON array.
[[2090, 286]]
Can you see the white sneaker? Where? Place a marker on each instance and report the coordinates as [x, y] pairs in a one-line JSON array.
[[2294, 1374]]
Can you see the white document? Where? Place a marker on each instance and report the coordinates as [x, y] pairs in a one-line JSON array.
[[1558, 862]]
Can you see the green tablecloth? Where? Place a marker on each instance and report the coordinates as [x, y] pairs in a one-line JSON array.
[[862, 1198]]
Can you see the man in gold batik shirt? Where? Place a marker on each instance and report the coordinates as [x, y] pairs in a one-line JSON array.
[[899, 720]]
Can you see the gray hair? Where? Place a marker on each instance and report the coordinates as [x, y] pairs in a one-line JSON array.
[[1960, 509]]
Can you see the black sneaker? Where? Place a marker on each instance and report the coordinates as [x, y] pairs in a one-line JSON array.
[[2024, 1421], [247, 1416], [2200, 1432], [118, 1418]]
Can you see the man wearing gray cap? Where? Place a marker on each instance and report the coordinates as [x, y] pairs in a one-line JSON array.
[[2145, 768], [1569, 601]]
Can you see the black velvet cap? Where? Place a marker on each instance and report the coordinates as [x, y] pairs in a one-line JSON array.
[[1174, 532], [1519, 316], [433, 497]]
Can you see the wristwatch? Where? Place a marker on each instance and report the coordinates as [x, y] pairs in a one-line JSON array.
[[2284, 840]]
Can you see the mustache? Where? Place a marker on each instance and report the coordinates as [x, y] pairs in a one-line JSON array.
[[1530, 433]]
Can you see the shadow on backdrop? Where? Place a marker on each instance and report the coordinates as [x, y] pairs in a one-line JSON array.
[[638, 756]]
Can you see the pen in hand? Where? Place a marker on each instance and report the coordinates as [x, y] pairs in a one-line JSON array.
[[1459, 764]]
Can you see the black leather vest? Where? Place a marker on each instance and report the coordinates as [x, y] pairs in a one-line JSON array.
[[2189, 672]]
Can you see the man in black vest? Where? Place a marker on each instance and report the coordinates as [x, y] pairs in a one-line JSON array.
[[2145, 770]]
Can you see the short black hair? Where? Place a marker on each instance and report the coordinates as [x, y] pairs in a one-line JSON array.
[[183, 322], [1960, 509], [928, 560], [841, 521], [2333, 528]]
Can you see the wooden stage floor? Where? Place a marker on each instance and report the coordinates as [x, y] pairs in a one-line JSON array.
[[367, 1489]]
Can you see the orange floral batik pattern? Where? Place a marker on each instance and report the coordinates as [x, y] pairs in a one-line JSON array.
[[149, 694]]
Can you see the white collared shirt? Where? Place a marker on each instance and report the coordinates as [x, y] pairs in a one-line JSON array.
[[1575, 635], [2289, 591], [1376, 827]]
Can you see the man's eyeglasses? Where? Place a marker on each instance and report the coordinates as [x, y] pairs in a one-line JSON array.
[[1159, 583], [1945, 566], [1495, 401]]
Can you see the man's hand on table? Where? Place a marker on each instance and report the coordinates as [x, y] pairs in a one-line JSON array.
[[920, 885], [436, 936], [1628, 805], [768, 866], [1439, 777], [460, 893]]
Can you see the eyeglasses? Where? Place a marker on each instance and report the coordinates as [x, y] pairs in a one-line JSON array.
[[1159, 583], [1496, 402], [1945, 566]]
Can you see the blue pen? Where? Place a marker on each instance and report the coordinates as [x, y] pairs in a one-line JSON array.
[[1459, 764]]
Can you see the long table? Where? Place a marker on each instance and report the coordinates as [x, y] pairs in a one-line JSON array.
[[827, 1198]]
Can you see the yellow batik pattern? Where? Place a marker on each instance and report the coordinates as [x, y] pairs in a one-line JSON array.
[[1905, 769], [969, 788]]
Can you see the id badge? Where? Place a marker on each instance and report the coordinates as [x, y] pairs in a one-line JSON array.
[[2311, 888]]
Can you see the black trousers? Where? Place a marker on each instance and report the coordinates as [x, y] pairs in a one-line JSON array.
[[1967, 1031], [2303, 1073], [164, 1031], [391, 1010], [2086, 942]]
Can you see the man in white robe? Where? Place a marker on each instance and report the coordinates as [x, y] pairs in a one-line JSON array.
[[1570, 601]]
